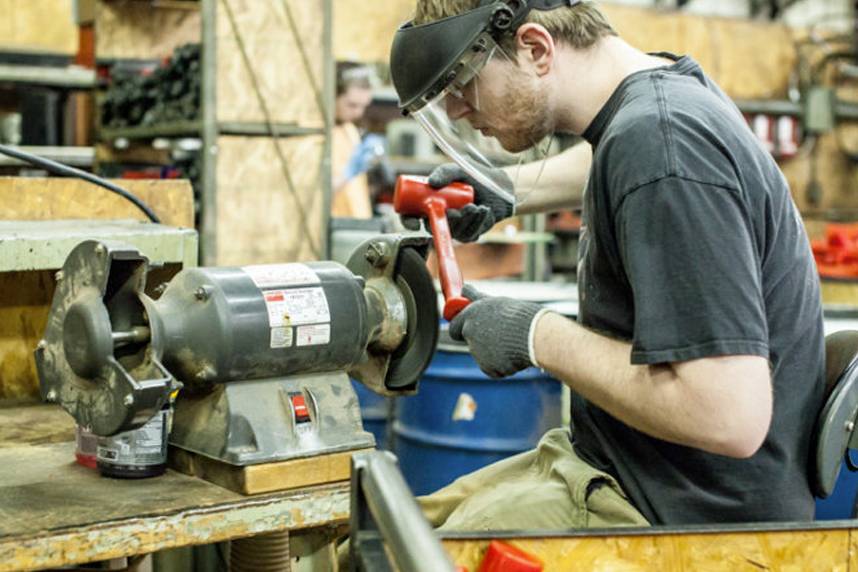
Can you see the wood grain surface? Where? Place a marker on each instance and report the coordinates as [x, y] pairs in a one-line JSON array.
[[54, 512], [266, 477], [792, 550]]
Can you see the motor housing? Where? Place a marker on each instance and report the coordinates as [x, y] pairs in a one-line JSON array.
[[112, 355]]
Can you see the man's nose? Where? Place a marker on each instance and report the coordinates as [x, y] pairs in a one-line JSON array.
[[457, 108]]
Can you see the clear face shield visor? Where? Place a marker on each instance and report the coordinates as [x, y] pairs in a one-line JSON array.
[[465, 120]]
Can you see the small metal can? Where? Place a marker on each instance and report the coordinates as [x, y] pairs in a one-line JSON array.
[[86, 447], [136, 454]]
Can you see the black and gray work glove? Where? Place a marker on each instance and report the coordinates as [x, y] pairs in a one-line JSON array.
[[472, 221], [498, 332]]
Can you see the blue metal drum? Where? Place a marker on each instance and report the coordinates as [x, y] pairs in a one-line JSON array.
[[374, 412], [462, 420], [841, 504]]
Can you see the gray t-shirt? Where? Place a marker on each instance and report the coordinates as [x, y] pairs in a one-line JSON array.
[[692, 247]]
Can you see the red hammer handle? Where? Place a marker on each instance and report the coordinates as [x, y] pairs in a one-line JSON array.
[[448, 269]]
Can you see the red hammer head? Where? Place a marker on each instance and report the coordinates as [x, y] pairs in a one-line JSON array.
[[413, 194], [415, 197]]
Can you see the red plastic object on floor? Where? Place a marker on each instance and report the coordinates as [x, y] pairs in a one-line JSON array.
[[502, 557], [837, 254]]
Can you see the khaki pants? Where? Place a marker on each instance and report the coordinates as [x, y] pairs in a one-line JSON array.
[[548, 488]]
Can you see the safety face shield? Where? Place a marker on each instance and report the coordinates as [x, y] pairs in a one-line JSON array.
[[446, 74], [466, 120]]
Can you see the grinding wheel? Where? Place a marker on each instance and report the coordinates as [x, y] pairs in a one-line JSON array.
[[411, 359]]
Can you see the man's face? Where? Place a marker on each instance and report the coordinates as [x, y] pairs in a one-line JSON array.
[[505, 102], [352, 104]]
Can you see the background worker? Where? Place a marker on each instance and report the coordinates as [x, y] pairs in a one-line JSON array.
[[696, 364], [351, 154]]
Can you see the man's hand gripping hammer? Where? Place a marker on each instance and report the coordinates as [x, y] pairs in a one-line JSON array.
[[415, 197]]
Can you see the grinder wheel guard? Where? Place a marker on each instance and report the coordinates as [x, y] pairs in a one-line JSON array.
[[416, 351]]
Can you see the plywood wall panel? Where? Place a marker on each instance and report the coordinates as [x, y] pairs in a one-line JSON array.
[[139, 30], [749, 59], [7, 26], [274, 51], [25, 301], [363, 31], [52, 199], [836, 178], [38, 26], [257, 218]]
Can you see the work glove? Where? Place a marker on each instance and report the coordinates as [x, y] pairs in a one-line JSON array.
[[498, 332], [369, 150], [472, 221]]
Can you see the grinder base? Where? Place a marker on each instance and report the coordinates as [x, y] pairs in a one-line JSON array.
[[271, 420]]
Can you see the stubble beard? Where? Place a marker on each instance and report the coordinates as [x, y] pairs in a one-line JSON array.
[[528, 115]]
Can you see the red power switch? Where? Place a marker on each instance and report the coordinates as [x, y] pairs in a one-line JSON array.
[[299, 406]]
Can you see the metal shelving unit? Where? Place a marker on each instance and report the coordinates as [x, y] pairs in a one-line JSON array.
[[81, 157], [195, 129], [179, 129], [62, 79], [842, 110], [209, 129], [69, 77]]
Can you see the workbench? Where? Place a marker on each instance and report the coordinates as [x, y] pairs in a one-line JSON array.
[[54, 512]]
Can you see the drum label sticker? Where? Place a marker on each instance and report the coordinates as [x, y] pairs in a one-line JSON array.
[[466, 408], [272, 275], [297, 307], [318, 335]]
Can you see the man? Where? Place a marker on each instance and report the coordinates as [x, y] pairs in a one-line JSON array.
[[696, 365]]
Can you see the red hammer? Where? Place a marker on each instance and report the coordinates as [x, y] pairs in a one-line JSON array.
[[415, 197]]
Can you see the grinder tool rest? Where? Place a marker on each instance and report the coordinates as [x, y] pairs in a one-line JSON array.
[[263, 354]]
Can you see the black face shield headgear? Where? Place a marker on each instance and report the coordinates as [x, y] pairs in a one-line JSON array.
[[432, 65], [428, 58]]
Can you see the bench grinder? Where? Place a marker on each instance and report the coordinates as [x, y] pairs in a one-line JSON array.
[[262, 354]]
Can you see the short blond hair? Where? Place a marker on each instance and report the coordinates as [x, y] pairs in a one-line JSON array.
[[580, 26]]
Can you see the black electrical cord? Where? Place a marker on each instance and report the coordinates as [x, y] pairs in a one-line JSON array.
[[66, 171]]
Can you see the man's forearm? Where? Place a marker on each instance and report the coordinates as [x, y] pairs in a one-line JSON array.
[[657, 400], [554, 184]]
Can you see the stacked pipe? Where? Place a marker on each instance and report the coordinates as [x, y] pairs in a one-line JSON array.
[[166, 94]]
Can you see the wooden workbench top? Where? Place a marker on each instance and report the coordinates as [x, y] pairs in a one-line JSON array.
[[34, 424], [54, 512]]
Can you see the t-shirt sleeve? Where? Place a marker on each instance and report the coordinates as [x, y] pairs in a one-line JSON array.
[[689, 253]]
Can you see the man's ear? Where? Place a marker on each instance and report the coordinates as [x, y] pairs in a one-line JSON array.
[[535, 43]]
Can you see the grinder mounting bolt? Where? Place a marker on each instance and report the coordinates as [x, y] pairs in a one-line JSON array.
[[377, 254], [203, 293]]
